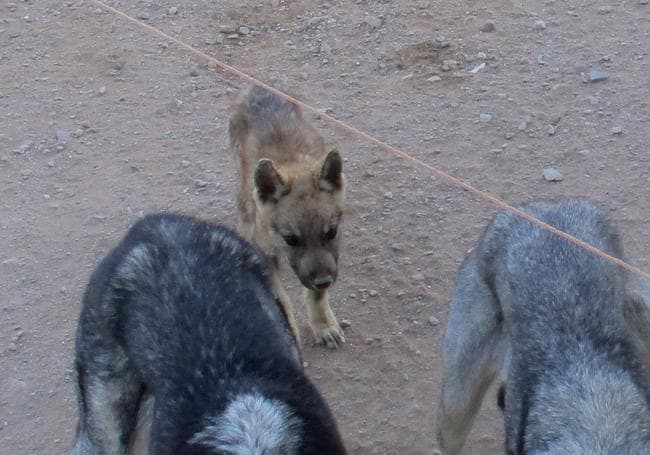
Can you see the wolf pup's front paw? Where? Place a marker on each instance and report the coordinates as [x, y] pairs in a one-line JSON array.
[[330, 336]]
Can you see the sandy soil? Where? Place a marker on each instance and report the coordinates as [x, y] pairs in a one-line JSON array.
[[101, 121]]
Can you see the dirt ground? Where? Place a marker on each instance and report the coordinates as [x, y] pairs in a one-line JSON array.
[[101, 121]]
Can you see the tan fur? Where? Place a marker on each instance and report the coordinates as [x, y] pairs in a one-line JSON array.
[[290, 189]]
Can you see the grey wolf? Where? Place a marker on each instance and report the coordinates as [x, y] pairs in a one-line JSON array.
[[181, 316], [290, 201], [551, 322]]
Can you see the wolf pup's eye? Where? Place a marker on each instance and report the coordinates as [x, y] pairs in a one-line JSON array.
[[331, 234], [291, 240]]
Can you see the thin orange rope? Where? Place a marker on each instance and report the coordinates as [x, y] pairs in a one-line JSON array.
[[389, 148]]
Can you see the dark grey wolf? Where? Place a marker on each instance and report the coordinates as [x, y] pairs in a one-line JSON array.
[[181, 312], [551, 322], [290, 201]]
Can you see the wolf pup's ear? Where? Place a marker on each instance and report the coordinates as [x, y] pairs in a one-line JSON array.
[[331, 173], [269, 186]]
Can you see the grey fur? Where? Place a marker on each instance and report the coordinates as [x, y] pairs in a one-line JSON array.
[[552, 323], [183, 349], [253, 425]]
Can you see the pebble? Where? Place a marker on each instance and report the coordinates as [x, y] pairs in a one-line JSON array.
[[487, 27], [551, 130], [102, 90], [172, 11], [448, 65], [25, 173], [186, 163], [539, 25], [243, 30], [643, 2], [484, 118], [344, 323], [617, 130], [477, 68], [62, 135], [597, 76], [200, 183], [194, 72], [94, 219], [605, 9], [434, 321], [373, 293], [552, 175], [434, 79], [388, 195], [373, 21], [481, 56], [144, 16], [418, 277]]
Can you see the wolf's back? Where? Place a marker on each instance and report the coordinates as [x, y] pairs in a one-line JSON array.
[[262, 111]]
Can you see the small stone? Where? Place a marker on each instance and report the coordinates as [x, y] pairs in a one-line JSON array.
[[194, 72], [232, 36], [481, 56], [539, 25], [597, 76], [643, 2], [372, 21], [220, 38], [243, 30], [25, 173], [373, 293], [418, 277], [485, 118], [144, 16], [388, 195], [434, 321], [186, 163], [448, 65], [172, 11], [477, 68], [200, 183], [344, 323], [551, 130], [434, 78], [62, 135], [605, 9], [94, 219], [552, 175], [617, 130], [487, 27], [102, 90], [369, 340]]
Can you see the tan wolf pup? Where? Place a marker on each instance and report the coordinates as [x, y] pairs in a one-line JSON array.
[[290, 200]]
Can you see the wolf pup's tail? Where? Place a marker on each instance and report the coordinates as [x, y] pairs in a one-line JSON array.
[[261, 111]]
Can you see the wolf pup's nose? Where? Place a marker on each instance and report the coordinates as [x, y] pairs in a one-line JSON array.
[[323, 282]]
